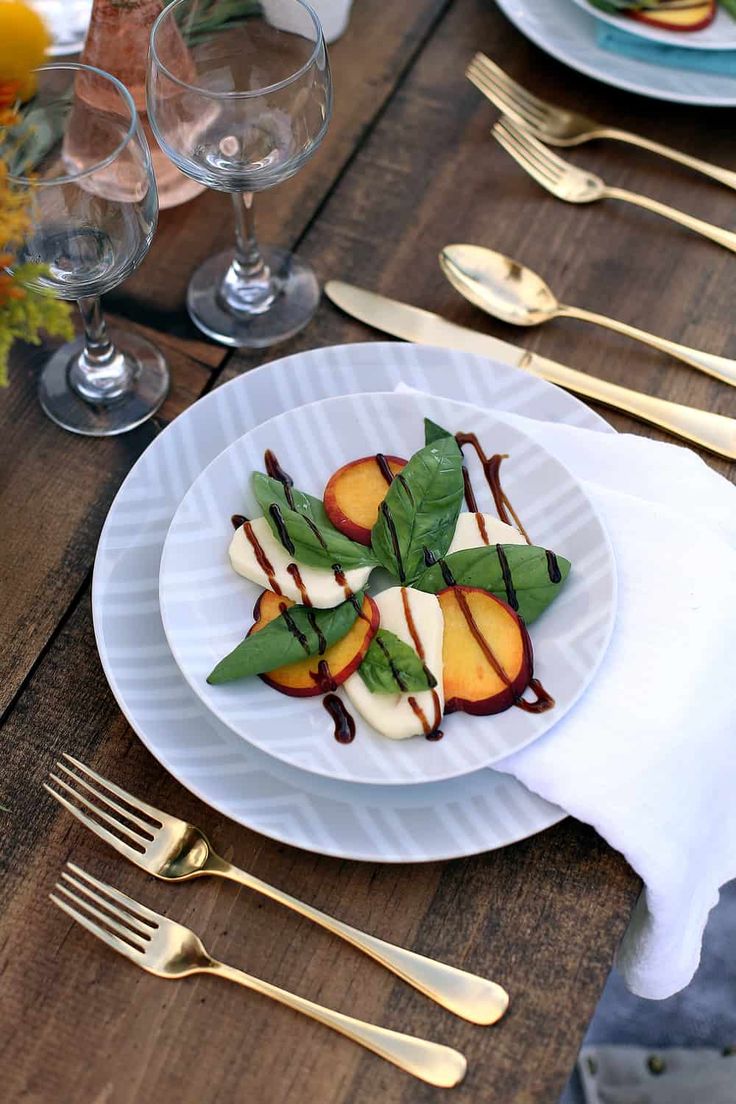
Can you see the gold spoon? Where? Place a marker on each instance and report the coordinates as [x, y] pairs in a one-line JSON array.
[[507, 290]]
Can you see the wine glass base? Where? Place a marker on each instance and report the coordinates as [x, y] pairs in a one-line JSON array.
[[296, 301], [149, 388]]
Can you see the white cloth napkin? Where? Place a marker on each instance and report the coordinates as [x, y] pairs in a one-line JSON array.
[[648, 756]]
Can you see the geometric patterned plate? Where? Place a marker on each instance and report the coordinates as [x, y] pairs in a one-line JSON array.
[[443, 820], [206, 607]]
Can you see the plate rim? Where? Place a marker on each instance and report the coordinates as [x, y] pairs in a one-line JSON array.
[[659, 35], [548, 815], [603, 74], [586, 682]]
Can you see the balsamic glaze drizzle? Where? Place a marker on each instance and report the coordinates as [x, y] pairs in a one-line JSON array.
[[238, 520], [384, 468], [508, 582], [274, 469], [278, 520], [344, 723], [553, 568]]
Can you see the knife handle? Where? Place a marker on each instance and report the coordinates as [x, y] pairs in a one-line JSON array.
[[714, 432]]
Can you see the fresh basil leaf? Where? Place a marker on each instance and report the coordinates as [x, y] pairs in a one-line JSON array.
[[434, 432], [268, 490], [298, 632], [526, 577], [392, 667], [417, 518], [311, 536]]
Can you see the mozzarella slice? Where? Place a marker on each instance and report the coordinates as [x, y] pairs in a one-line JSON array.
[[471, 527], [393, 715], [259, 556]]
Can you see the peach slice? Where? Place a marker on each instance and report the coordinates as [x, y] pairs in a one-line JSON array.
[[486, 653], [694, 17], [318, 674], [354, 493]]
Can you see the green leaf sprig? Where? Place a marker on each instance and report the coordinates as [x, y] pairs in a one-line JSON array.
[[390, 666]]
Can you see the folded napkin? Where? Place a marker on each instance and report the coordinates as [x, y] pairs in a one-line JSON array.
[[648, 755], [717, 62]]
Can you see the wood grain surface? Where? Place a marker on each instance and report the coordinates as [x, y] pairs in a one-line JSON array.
[[409, 166]]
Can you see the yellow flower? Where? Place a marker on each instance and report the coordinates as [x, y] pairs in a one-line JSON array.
[[23, 42]]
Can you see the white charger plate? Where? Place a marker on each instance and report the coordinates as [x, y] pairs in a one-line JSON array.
[[718, 35], [561, 29], [442, 820], [206, 607]]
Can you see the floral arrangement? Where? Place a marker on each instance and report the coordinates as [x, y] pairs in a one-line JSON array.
[[24, 312]]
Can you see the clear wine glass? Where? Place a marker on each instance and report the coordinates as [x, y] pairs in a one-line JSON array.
[[78, 156], [239, 97]]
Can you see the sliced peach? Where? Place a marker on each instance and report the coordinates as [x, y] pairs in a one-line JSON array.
[[354, 493], [318, 674], [692, 18], [486, 652]]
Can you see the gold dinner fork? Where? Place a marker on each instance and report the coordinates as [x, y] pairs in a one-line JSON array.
[[172, 849], [170, 950], [561, 127], [576, 185]]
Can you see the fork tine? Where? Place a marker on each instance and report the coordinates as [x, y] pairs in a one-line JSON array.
[[515, 140], [113, 840], [137, 940], [143, 928], [542, 176], [148, 829], [124, 829], [519, 93], [136, 802], [139, 910], [113, 941], [504, 98], [533, 144]]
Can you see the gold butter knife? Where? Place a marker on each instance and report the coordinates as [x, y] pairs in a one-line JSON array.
[[714, 432]]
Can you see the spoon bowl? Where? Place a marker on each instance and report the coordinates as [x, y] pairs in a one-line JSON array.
[[499, 285]]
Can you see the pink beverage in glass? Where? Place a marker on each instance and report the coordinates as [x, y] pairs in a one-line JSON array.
[[117, 41]]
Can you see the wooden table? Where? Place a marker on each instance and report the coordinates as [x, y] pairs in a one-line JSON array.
[[408, 166]]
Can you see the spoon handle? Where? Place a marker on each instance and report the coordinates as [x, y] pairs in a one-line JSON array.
[[726, 238], [438, 1065], [721, 368], [715, 172]]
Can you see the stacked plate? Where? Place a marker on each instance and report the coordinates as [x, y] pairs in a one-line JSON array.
[[568, 30], [167, 605]]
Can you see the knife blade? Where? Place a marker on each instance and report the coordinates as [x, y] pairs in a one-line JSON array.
[[714, 432]]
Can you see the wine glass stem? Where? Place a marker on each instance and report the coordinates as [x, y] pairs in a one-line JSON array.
[[248, 286], [100, 373]]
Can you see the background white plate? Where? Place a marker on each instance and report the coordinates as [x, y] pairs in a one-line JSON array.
[[206, 608], [719, 35], [443, 820], [568, 34]]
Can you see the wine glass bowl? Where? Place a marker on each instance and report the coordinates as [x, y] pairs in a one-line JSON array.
[[239, 97], [78, 159]]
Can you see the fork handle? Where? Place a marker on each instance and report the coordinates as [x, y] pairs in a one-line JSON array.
[[467, 995], [431, 1062], [726, 238], [715, 172], [719, 367]]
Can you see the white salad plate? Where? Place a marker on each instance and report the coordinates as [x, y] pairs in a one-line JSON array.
[[207, 608], [569, 34], [718, 35], [443, 820]]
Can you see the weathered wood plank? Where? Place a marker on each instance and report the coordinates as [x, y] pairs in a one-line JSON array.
[[79, 1023]]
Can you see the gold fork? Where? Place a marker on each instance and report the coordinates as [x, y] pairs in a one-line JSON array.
[[561, 127], [172, 849], [170, 950], [576, 185]]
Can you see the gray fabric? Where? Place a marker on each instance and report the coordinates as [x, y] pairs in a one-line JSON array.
[[638, 1075], [703, 1015]]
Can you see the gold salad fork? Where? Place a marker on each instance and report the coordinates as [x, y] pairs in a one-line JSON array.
[[576, 185], [170, 950], [172, 849], [561, 127]]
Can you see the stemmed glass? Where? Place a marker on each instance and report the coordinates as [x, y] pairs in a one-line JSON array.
[[239, 97], [78, 156]]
